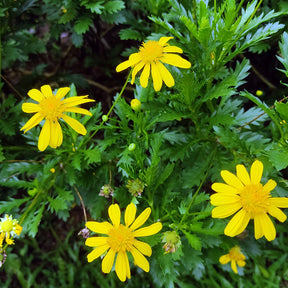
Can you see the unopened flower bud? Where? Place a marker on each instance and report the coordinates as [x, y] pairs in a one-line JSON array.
[[106, 191], [135, 104], [172, 241], [104, 118], [132, 147], [259, 93], [135, 187]]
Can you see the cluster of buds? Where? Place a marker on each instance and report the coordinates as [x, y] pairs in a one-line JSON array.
[[172, 241], [106, 191], [135, 187]]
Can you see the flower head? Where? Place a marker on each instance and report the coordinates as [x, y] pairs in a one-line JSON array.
[[135, 187], [52, 108], [135, 104], [106, 191], [172, 241], [151, 56], [245, 195], [121, 239], [9, 228], [235, 256]]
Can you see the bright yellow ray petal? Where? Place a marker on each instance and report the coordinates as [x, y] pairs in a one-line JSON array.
[[241, 263], [165, 74], [30, 107], [74, 124], [133, 60], [128, 272], [224, 211], [56, 136], [256, 172], [143, 247], [130, 213], [46, 91], [76, 100], [32, 122], [172, 49], [78, 110], [164, 40], [135, 70], [96, 241], [122, 66], [237, 224], [258, 229], [224, 259], [62, 92], [97, 252], [277, 213], [120, 266], [270, 185], [268, 227], [44, 137], [175, 60], [231, 179], [145, 75], [140, 260], [141, 219], [218, 199], [157, 80], [36, 95], [114, 214], [280, 202], [108, 261], [234, 266], [149, 230], [99, 227], [224, 188], [242, 174]]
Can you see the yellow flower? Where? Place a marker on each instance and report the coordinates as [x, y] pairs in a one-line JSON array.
[[235, 256], [252, 200], [52, 109], [151, 56], [9, 227], [135, 104], [121, 239]]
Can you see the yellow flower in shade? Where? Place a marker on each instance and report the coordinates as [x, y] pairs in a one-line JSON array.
[[121, 239], [52, 108], [235, 256], [245, 195], [9, 228], [151, 56]]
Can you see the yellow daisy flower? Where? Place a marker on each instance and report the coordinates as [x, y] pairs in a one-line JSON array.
[[252, 200], [151, 56], [52, 108], [121, 239], [235, 256], [9, 227]]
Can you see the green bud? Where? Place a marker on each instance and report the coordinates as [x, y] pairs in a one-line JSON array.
[[132, 147], [104, 118]]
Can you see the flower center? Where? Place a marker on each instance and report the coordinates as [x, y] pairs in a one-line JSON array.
[[6, 226], [254, 199], [151, 51], [235, 254], [51, 108], [120, 238]]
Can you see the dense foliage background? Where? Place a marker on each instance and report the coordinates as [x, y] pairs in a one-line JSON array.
[[214, 118]]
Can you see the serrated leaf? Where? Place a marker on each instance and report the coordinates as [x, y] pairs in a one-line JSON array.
[[56, 204], [113, 6], [82, 25], [193, 240], [92, 155], [33, 225], [130, 34], [7, 206], [77, 160]]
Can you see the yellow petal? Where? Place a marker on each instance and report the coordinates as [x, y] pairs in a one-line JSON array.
[[172, 49], [108, 261], [280, 202], [270, 185], [241, 263], [268, 227], [224, 211], [224, 188], [97, 252], [234, 266], [237, 224], [18, 229], [242, 174], [133, 60], [165, 74], [30, 107], [143, 247], [120, 266], [35, 95], [149, 230], [46, 91], [78, 110], [145, 76], [258, 229], [135, 70], [140, 260], [224, 259], [96, 241], [114, 214], [164, 40], [56, 135], [157, 80], [44, 137], [32, 122], [74, 124], [223, 199], [130, 213], [277, 213], [62, 92], [175, 60], [76, 100], [141, 219], [99, 227], [231, 179], [256, 172], [122, 66]]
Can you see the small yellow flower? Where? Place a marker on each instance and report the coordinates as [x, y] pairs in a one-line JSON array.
[[9, 228], [151, 56], [52, 108], [259, 93], [235, 256], [52, 170], [245, 195], [121, 239], [135, 104]]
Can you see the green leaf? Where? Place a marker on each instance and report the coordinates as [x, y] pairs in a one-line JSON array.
[[113, 6], [56, 204], [7, 206], [82, 25], [283, 45], [32, 226], [193, 240], [92, 155], [95, 7], [130, 34]]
